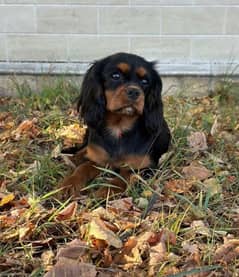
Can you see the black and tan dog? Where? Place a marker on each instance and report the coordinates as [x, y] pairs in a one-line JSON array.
[[121, 104]]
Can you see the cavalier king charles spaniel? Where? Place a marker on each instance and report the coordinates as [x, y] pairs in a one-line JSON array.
[[121, 104]]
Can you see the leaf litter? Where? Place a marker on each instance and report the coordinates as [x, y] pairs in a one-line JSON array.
[[192, 227]]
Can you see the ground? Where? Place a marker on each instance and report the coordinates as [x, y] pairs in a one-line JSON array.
[[183, 221]]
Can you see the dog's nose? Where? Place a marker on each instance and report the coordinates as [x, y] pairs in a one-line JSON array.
[[133, 94]]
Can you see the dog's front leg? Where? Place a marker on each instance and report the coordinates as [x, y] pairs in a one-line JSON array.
[[117, 185], [72, 185]]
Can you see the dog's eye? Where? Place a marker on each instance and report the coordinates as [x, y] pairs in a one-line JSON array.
[[144, 81], [115, 76]]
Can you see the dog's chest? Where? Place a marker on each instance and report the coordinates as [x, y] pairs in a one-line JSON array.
[[119, 126]]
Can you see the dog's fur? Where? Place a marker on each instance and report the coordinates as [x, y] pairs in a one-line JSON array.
[[121, 104]]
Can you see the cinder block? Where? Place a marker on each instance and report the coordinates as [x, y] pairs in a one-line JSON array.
[[50, 2], [123, 20], [66, 19], [19, 1], [92, 48], [3, 54], [192, 20], [215, 50], [215, 2], [84, 2], [17, 19], [232, 26], [162, 2], [37, 48], [112, 2], [163, 49]]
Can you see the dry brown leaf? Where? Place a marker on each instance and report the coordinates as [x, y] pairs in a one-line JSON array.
[[215, 127], [99, 244], [47, 259], [196, 171], [71, 268], [107, 258], [98, 230], [68, 212], [133, 250], [199, 227], [71, 261], [152, 244], [26, 230], [159, 252], [26, 128], [179, 185], [7, 220], [73, 250], [227, 252], [6, 199], [197, 141], [126, 250], [193, 251], [6, 121], [124, 204], [103, 214]]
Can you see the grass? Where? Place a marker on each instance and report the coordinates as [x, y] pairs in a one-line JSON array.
[[29, 170]]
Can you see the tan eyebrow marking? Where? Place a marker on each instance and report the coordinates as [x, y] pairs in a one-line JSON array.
[[141, 71], [123, 67]]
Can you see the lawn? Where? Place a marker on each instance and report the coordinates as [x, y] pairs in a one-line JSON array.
[[182, 221]]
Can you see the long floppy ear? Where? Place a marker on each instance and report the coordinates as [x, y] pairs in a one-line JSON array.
[[153, 108], [91, 104]]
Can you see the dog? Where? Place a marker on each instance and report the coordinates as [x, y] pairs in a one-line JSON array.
[[121, 104]]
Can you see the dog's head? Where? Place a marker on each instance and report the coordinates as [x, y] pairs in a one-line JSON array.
[[123, 84]]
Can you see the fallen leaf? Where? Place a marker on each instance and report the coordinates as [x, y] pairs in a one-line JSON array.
[[158, 253], [103, 214], [98, 230], [124, 204], [71, 268], [179, 185], [69, 261], [107, 258], [142, 203], [7, 199], [193, 251], [197, 141], [68, 212], [71, 134], [227, 252], [199, 227], [47, 259], [212, 186], [73, 250], [215, 127], [197, 171], [24, 231], [26, 128], [7, 220], [99, 244]]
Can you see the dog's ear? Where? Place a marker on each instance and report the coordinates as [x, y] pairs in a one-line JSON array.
[[91, 104], [153, 108]]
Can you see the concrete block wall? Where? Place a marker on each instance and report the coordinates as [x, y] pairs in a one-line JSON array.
[[198, 37]]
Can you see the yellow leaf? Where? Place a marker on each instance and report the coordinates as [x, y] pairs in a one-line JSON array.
[[6, 199]]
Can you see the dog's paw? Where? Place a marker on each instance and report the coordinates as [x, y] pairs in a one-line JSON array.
[[71, 187]]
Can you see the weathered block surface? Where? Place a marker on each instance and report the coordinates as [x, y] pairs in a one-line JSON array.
[[184, 36]]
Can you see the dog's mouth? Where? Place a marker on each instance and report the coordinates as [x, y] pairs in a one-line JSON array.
[[128, 110]]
